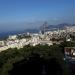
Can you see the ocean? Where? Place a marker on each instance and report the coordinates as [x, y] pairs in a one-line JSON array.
[[7, 33]]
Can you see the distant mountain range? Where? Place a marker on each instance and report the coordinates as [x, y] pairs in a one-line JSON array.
[[60, 26], [36, 30], [55, 27]]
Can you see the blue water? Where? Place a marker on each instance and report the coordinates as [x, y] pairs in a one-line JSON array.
[[7, 33]]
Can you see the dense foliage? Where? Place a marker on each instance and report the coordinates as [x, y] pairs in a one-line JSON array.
[[11, 56]]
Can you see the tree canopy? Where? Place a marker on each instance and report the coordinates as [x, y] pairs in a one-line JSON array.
[[12, 56]]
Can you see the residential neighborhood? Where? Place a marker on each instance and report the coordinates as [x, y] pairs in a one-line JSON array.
[[48, 37]]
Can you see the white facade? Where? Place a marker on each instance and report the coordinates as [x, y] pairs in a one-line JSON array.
[[3, 48], [35, 40], [12, 37]]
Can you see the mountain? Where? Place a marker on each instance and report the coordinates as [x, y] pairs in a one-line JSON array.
[[60, 26], [55, 27], [35, 30]]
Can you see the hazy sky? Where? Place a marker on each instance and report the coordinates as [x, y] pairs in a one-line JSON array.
[[22, 14]]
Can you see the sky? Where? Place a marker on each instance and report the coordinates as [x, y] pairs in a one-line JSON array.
[[23, 14]]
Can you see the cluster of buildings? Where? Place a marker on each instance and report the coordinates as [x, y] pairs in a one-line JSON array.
[[48, 37], [69, 52]]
